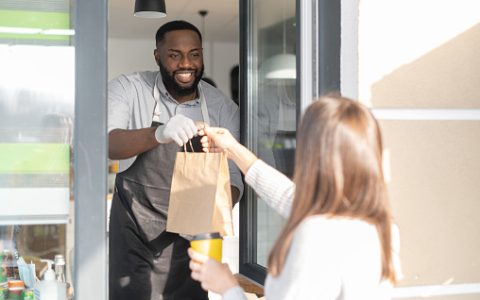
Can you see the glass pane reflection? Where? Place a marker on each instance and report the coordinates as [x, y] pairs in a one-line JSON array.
[[273, 103]]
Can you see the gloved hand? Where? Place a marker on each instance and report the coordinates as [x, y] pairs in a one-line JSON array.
[[178, 129]]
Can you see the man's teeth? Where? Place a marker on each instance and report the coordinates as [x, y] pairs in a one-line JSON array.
[[184, 76]]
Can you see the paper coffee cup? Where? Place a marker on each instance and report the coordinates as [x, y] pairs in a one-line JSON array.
[[209, 244]]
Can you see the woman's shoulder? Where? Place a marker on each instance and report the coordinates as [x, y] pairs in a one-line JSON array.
[[337, 225], [335, 232]]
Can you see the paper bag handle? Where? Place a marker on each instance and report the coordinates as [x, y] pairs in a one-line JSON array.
[[185, 146], [185, 151]]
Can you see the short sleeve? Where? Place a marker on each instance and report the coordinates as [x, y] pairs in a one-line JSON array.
[[119, 106]]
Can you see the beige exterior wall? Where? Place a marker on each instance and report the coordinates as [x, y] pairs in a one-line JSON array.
[[419, 53], [435, 169], [426, 54]]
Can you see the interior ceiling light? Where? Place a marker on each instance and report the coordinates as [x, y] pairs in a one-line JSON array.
[[150, 9], [281, 66]]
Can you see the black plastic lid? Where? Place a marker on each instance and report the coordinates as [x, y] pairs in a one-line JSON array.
[[206, 236]]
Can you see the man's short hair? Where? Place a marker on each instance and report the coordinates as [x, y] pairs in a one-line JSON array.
[[172, 26]]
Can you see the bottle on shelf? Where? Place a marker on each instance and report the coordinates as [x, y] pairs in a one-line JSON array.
[[60, 274], [60, 268], [49, 288]]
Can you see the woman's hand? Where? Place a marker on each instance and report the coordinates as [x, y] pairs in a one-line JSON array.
[[217, 139], [212, 275]]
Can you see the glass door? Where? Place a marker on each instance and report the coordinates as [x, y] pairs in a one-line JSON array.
[[290, 56], [269, 107], [53, 145], [37, 89]]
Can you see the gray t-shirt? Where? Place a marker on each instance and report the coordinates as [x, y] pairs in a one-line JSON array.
[[131, 105]]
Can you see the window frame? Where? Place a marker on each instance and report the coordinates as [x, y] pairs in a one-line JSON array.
[[318, 72], [90, 155]]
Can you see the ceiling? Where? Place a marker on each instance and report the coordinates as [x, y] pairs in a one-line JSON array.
[[221, 22]]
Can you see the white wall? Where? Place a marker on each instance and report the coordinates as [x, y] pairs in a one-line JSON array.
[[131, 55], [127, 56]]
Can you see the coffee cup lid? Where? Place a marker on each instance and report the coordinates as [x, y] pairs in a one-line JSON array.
[[206, 236]]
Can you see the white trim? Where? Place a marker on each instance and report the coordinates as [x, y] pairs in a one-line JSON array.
[[33, 219], [446, 114], [35, 201], [19, 30], [58, 32], [349, 49], [427, 291], [25, 205], [307, 41], [25, 30]]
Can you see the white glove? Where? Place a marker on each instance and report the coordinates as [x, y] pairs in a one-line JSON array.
[[178, 129]]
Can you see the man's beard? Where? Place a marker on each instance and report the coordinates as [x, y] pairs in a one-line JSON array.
[[172, 85]]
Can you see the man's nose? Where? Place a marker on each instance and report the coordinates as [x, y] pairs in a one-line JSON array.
[[185, 62]]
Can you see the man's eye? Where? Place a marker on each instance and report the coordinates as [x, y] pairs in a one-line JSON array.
[[174, 56]]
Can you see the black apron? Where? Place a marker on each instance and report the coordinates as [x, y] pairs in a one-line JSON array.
[[146, 262]]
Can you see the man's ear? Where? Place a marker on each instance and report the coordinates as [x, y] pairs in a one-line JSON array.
[[156, 54]]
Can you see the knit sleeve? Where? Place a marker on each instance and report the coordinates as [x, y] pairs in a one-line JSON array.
[[235, 293], [276, 189]]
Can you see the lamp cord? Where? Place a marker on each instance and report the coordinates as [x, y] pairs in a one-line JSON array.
[[203, 13]]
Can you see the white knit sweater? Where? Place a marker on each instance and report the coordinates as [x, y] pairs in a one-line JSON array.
[[329, 258]]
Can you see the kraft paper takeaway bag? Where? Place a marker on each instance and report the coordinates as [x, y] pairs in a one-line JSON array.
[[200, 197]]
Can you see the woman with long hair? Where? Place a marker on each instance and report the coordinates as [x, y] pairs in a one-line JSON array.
[[339, 237]]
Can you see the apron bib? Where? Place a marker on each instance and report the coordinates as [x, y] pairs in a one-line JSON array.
[[146, 262]]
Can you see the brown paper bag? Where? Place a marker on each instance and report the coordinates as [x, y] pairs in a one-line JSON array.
[[200, 197]]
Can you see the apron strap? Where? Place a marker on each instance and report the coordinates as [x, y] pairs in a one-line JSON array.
[[203, 106], [162, 241]]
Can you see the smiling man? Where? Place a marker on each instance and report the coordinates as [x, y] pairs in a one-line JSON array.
[[151, 115]]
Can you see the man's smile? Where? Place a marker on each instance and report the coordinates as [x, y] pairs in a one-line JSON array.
[[184, 76]]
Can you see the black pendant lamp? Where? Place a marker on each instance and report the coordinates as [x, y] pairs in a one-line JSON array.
[[150, 9]]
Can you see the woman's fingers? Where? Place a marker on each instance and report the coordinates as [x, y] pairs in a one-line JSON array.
[[206, 141], [208, 145], [197, 261], [194, 266], [196, 270], [212, 131], [197, 256]]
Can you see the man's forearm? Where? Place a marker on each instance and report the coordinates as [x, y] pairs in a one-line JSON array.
[[123, 144]]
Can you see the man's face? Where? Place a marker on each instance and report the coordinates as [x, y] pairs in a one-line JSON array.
[[180, 59]]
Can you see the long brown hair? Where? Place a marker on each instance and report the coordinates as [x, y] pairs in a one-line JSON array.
[[338, 172]]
